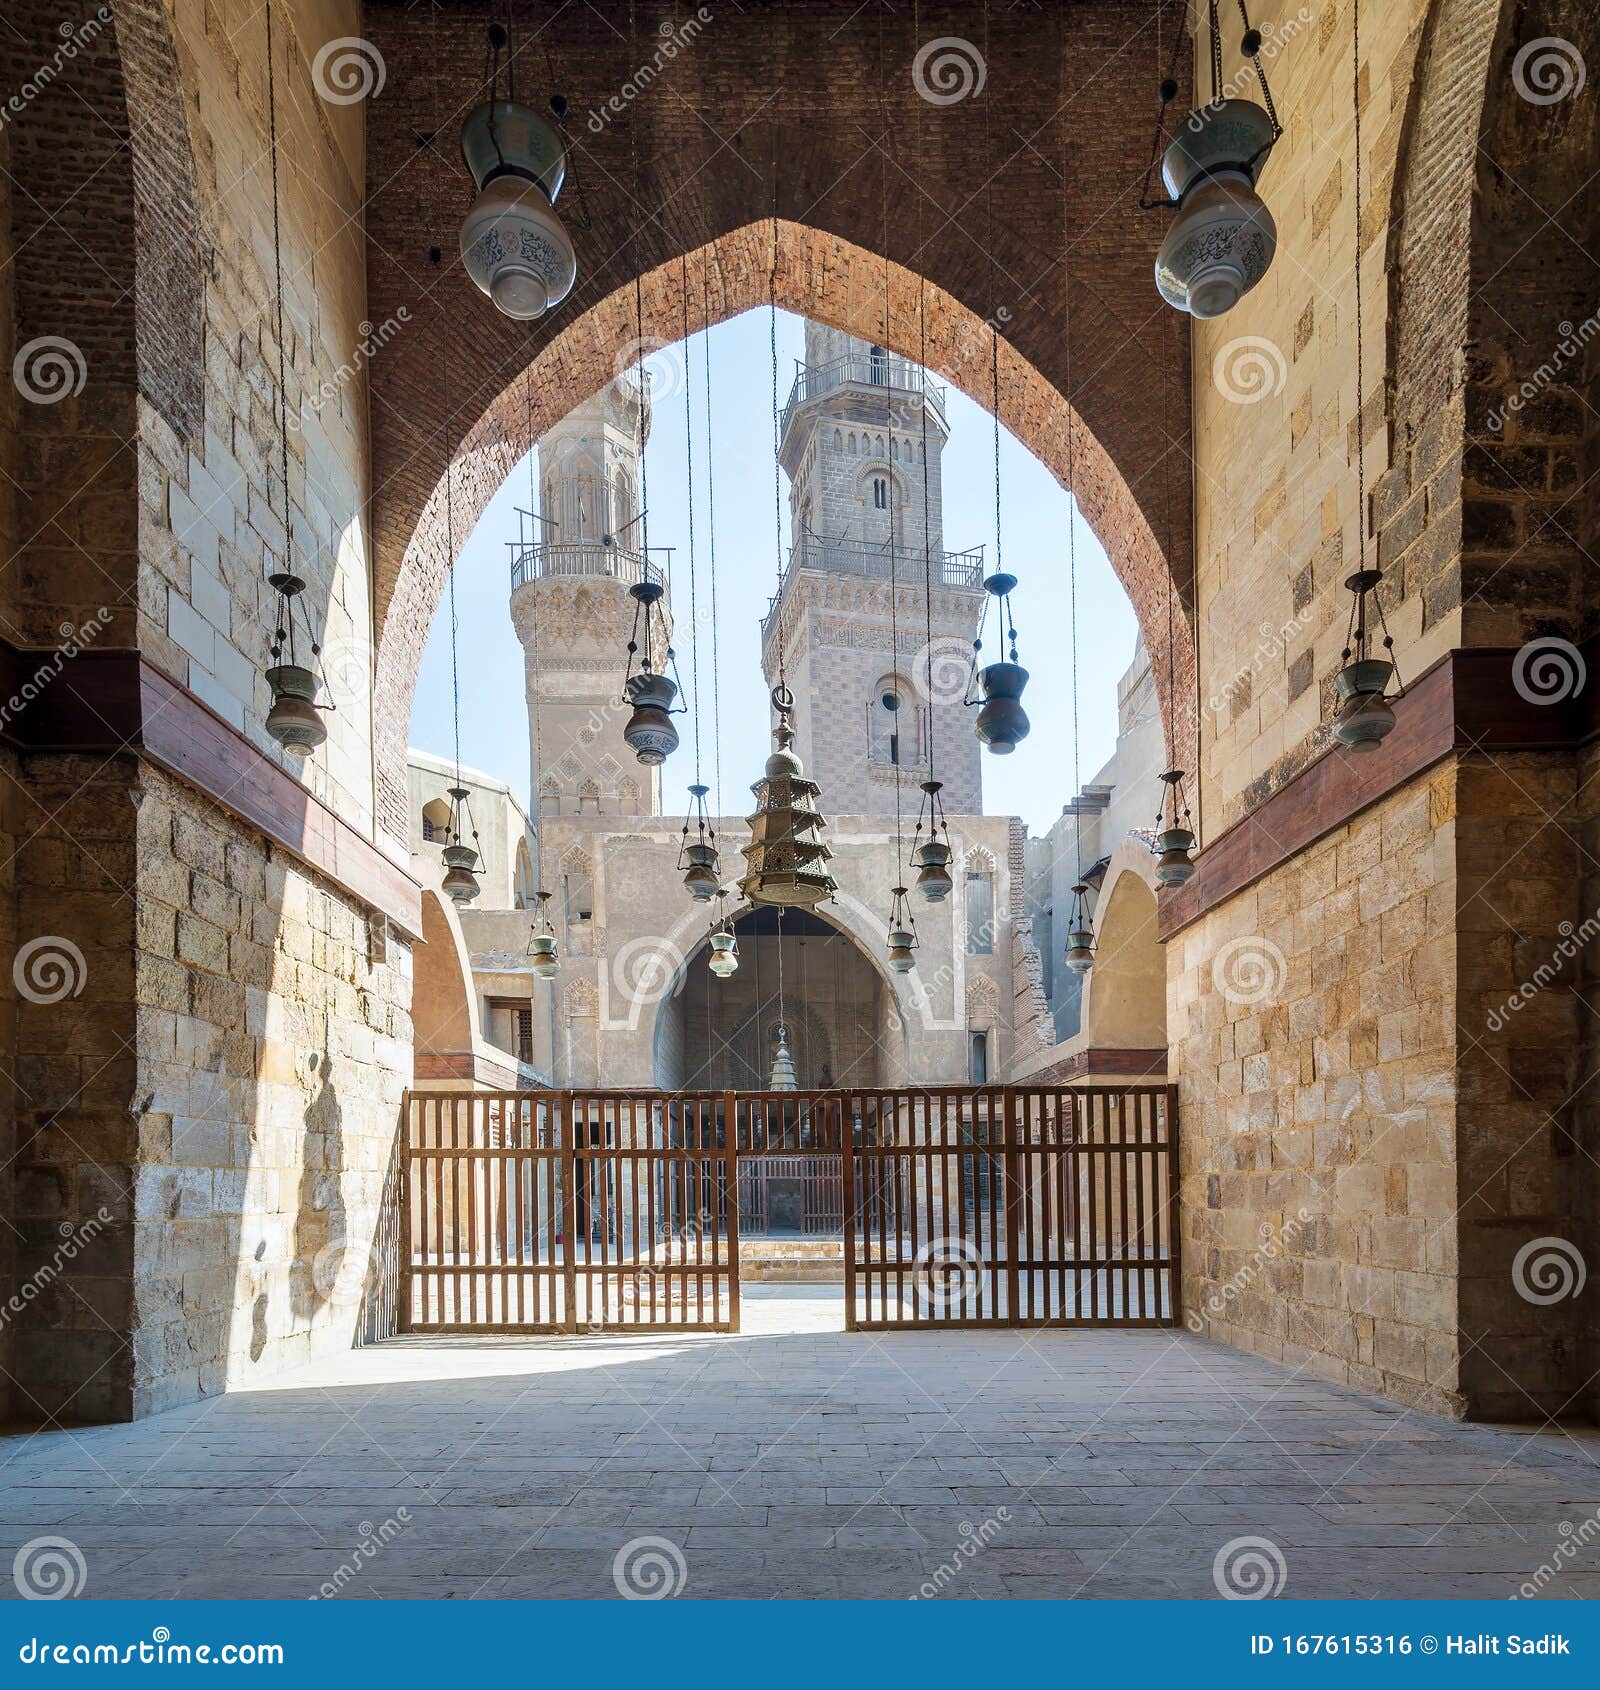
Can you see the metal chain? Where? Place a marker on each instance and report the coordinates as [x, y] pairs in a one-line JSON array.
[[711, 541], [688, 447]]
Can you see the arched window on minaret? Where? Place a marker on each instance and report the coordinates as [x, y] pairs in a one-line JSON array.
[[878, 363], [893, 723]]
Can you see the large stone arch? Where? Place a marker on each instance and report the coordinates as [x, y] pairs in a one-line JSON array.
[[990, 197], [819, 277]]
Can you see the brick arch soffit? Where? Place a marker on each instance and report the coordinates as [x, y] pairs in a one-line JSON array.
[[818, 277]]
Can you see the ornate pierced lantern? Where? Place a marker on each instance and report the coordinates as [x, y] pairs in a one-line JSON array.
[[512, 243], [1366, 714], [786, 859], [295, 719], [697, 861], [1174, 835], [543, 950], [930, 857], [460, 859], [902, 934], [1080, 935], [1223, 239], [649, 731], [1002, 722]]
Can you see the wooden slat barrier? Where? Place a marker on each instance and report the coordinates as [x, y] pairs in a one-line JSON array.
[[959, 1206]]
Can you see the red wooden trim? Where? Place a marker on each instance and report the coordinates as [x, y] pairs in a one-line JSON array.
[[1322, 797], [471, 1067], [1101, 1059], [108, 703]]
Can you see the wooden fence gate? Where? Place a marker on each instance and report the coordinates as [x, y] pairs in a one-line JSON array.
[[976, 1206]]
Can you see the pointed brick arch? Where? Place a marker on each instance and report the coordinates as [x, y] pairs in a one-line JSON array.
[[823, 278]]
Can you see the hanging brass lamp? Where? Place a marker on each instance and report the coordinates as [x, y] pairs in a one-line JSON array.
[[697, 860], [1080, 935], [461, 859], [1002, 723], [649, 731], [786, 859], [930, 857], [1174, 844], [901, 938], [544, 952], [724, 958]]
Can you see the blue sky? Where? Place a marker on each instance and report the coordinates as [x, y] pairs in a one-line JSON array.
[[1033, 782]]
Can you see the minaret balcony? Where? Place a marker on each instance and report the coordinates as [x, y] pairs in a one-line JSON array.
[[598, 557], [863, 370], [958, 571]]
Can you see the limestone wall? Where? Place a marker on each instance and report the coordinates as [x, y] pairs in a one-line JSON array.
[[1313, 1029], [274, 1046]]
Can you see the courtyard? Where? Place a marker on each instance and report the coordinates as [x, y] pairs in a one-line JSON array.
[[799, 1461]]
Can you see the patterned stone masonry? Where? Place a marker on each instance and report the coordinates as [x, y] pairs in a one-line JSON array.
[[1312, 1023], [272, 1057]]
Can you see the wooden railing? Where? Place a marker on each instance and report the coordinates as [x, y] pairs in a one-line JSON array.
[[957, 1206]]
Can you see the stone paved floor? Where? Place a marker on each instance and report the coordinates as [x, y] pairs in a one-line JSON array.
[[799, 1461]]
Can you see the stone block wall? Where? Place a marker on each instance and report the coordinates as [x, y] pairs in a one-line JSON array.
[[1312, 1023], [274, 1048]]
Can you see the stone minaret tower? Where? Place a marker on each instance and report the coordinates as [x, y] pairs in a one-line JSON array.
[[572, 612], [852, 444]]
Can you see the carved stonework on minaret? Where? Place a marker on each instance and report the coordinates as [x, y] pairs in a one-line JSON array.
[[862, 443], [573, 613]]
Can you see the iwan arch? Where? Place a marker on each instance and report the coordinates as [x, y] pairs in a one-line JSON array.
[[226, 1083]]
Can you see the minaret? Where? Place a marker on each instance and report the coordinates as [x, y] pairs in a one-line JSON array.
[[573, 613], [857, 427]]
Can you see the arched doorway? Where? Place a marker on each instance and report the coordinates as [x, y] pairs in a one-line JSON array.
[[803, 972]]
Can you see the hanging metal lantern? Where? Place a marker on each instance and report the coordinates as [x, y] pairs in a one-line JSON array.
[[649, 731], [902, 935], [697, 861], [1366, 714], [1223, 239], [724, 958], [512, 243], [784, 1077], [787, 861], [1002, 723], [1080, 934], [930, 857], [295, 719], [460, 859], [544, 952], [1174, 836]]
